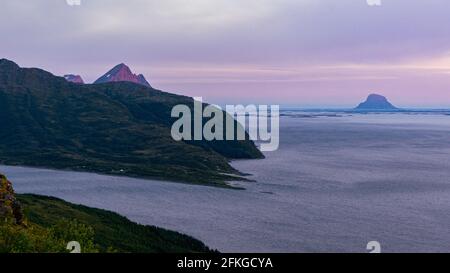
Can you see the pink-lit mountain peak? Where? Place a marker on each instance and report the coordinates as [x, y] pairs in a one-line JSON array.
[[74, 78], [122, 73]]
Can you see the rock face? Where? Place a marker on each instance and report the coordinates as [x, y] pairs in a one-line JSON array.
[[74, 78], [377, 103], [122, 73], [10, 208]]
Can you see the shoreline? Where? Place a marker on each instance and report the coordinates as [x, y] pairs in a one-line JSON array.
[[225, 183]]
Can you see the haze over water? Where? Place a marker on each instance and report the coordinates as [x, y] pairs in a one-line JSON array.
[[335, 184]]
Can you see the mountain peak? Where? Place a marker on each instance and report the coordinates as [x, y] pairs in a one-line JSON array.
[[376, 102], [74, 78], [9, 64], [142, 80], [122, 73], [122, 66], [376, 97]]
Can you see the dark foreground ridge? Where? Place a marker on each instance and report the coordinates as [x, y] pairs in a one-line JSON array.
[[37, 224], [112, 232], [118, 128]]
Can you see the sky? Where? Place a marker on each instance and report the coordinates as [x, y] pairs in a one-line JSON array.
[[307, 53]]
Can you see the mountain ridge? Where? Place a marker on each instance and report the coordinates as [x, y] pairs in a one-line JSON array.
[[118, 128]]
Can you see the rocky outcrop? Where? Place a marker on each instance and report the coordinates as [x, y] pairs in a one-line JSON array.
[[10, 208]]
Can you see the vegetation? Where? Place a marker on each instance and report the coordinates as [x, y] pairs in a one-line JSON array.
[[19, 235], [38, 224], [115, 128], [101, 230], [31, 238]]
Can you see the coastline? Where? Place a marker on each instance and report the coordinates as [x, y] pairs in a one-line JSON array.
[[222, 181]]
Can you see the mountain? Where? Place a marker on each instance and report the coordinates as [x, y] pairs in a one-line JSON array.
[[38, 224], [377, 103], [122, 73], [74, 78], [118, 128]]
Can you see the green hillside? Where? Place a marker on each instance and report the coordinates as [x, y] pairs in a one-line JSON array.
[[111, 232], [38, 224], [115, 128]]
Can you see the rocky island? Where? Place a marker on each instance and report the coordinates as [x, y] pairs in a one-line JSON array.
[[375, 102]]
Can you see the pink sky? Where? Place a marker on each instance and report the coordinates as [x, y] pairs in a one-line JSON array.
[[310, 53]]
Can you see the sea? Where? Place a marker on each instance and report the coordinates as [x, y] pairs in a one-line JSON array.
[[338, 181]]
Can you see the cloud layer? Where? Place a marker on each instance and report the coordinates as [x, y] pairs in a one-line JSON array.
[[306, 52]]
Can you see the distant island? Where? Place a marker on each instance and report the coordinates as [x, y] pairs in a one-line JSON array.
[[375, 102]]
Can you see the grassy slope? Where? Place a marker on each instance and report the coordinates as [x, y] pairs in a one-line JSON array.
[[111, 229], [114, 128]]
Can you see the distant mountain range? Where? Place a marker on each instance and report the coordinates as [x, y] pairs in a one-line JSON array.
[[119, 73], [122, 73], [118, 128], [375, 102]]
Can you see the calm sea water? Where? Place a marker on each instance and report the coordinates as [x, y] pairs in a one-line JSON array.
[[335, 184]]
